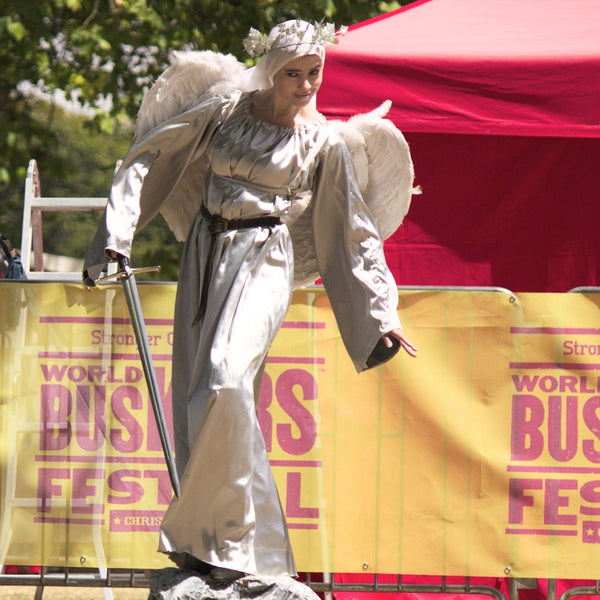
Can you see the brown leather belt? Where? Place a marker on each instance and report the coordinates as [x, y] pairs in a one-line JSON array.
[[217, 225]]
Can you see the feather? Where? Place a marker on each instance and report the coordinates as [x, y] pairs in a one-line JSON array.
[[191, 76], [384, 173], [383, 166]]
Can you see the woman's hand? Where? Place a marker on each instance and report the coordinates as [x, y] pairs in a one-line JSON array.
[[404, 341], [114, 255]]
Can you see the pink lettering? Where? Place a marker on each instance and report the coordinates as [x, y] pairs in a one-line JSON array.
[[90, 430], [518, 499], [293, 496], [56, 404], [96, 372], [47, 489], [130, 437], [553, 501], [122, 482], [305, 423], [134, 374], [525, 383], [555, 428], [82, 490], [53, 372], [76, 373], [527, 441], [590, 418], [590, 493], [164, 484], [264, 416]]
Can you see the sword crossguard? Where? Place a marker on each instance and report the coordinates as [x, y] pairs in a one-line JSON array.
[[125, 271]]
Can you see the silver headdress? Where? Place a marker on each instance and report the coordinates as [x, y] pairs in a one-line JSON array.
[[290, 35], [285, 42]]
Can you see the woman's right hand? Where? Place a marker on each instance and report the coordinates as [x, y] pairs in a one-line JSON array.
[[405, 343]]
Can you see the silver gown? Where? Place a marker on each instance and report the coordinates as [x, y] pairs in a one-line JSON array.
[[240, 167]]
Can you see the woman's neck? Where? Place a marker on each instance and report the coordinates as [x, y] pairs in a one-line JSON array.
[[266, 108]]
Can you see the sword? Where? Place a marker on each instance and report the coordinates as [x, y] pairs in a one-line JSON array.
[[127, 276]]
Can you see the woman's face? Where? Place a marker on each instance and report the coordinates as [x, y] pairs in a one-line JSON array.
[[299, 80]]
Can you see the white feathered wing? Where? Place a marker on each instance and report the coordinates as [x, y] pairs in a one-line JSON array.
[[191, 75], [385, 175], [383, 166]]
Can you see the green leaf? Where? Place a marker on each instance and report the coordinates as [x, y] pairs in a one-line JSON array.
[[16, 29], [11, 139], [105, 124], [76, 80]]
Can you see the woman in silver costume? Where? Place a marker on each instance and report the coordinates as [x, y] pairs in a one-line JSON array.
[[252, 156]]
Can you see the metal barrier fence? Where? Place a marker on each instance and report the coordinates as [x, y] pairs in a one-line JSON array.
[[320, 583], [324, 583]]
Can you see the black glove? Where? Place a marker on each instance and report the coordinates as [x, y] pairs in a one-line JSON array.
[[87, 280]]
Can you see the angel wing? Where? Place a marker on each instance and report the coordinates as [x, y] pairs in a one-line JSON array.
[[385, 175], [383, 166], [191, 76]]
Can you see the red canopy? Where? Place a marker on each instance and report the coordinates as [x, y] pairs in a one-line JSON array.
[[500, 102]]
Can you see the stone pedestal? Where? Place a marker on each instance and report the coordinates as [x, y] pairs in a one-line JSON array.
[[180, 584]]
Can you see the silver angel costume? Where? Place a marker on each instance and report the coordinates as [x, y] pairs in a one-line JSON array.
[[221, 162]]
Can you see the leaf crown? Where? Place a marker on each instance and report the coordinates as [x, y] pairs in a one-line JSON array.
[[290, 34]]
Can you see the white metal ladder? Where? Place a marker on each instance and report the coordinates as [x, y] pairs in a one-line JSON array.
[[32, 245]]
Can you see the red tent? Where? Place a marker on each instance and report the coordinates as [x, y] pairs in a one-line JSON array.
[[500, 103]]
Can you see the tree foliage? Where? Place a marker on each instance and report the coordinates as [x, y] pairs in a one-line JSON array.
[[104, 54]]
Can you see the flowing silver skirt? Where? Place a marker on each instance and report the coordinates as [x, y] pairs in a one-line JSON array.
[[229, 513]]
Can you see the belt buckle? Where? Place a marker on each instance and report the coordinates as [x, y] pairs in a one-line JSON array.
[[218, 225]]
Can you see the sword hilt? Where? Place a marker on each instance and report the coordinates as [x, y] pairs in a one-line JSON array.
[[123, 262]]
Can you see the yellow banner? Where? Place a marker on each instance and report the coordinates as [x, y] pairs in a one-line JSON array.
[[481, 457]]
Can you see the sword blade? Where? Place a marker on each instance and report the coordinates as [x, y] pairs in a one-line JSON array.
[[139, 327]]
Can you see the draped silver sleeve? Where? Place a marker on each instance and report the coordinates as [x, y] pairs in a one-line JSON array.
[[147, 178], [349, 252]]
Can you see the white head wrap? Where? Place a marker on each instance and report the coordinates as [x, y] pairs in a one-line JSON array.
[[285, 42]]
